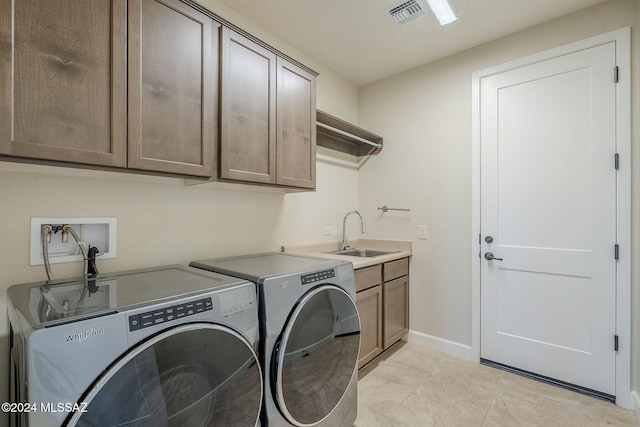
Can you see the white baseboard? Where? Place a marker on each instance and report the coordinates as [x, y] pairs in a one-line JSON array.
[[450, 347], [635, 404]]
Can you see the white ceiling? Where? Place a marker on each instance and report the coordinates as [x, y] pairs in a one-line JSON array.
[[357, 40]]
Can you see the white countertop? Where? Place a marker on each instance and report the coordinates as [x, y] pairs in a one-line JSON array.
[[399, 249]]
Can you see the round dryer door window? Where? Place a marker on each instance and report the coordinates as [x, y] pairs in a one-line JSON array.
[[195, 375], [317, 355]]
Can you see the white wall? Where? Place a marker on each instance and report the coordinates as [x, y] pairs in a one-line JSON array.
[[162, 221], [425, 117]]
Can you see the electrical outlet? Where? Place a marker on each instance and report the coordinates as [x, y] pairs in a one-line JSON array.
[[98, 232], [422, 232], [329, 230]]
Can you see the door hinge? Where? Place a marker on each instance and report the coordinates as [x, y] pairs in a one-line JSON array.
[[616, 72], [617, 161], [615, 343], [616, 250]]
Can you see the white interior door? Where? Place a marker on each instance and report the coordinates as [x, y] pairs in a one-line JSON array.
[[548, 201]]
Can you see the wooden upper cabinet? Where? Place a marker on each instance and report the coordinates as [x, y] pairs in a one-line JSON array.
[[248, 110], [135, 84], [268, 116], [172, 84], [63, 80], [296, 141]]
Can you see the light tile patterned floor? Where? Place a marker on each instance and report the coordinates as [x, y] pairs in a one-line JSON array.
[[417, 387]]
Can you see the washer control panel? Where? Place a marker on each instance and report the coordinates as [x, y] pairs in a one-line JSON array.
[[167, 314], [317, 276]]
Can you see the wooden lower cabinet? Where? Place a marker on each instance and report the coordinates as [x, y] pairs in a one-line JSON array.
[[382, 299], [369, 303]]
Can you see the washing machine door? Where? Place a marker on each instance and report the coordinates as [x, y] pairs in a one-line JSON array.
[[193, 375], [316, 355]]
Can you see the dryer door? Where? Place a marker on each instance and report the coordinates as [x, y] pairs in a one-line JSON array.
[[316, 355], [192, 375]]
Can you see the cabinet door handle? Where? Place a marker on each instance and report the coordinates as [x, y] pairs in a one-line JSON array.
[[489, 257]]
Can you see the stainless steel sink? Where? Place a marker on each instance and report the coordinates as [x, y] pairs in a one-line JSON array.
[[360, 252]]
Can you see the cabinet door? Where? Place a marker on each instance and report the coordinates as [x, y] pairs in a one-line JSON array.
[[369, 305], [396, 310], [248, 110], [63, 80], [172, 81], [368, 277], [395, 269], [296, 140]]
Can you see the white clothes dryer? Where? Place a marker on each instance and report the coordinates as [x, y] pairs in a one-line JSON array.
[[309, 336], [170, 346]]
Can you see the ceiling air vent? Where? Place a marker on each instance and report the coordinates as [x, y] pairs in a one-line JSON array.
[[405, 11]]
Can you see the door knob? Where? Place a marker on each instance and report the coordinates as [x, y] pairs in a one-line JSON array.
[[489, 257]]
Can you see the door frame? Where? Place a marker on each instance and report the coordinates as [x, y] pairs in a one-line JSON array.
[[622, 39]]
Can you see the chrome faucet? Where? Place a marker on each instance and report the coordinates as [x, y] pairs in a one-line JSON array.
[[345, 243]]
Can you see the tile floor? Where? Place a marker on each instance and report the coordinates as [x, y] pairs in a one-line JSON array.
[[416, 386]]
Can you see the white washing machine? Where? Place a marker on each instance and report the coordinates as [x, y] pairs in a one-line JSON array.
[[170, 346], [310, 336]]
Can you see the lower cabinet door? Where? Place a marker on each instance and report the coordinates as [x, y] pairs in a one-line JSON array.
[[396, 310], [369, 303]]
